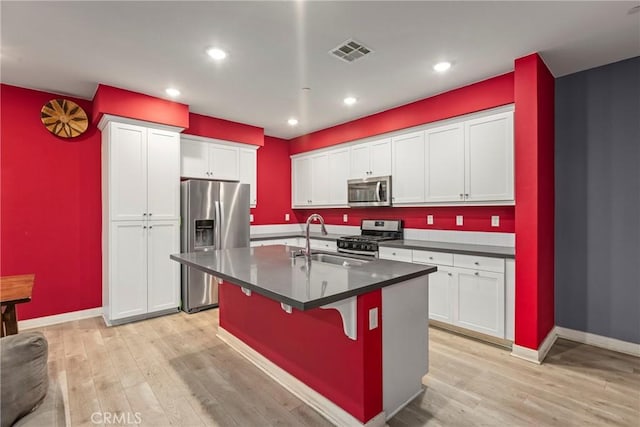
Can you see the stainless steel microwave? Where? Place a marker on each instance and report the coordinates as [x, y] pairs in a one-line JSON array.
[[372, 191]]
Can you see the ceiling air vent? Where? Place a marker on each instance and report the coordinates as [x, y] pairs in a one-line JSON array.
[[350, 50]]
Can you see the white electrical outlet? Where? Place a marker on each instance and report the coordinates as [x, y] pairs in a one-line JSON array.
[[345, 218], [495, 221], [430, 219], [250, 217], [373, 318], [459, 220], [286, 217]]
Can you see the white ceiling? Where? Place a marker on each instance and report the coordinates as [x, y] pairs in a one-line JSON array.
[[277, 48]]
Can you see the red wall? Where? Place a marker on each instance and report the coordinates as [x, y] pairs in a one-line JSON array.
[[125, 103], [479, 96], [50, 206], [349, 374], [534, 225], [476, 218], [274, 183], [212, 127]]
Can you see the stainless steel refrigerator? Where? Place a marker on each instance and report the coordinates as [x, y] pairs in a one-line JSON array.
[[215, 215]]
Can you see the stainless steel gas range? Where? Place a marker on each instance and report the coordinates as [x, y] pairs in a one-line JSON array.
[[372, 231]]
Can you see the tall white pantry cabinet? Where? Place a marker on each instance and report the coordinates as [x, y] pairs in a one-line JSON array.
[[140, 219]]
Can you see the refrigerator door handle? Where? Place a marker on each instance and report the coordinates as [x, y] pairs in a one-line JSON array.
[[218, 227], [221, 220]]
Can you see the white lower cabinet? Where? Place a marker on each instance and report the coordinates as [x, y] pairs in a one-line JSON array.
[[299, 242], [479, 303], [141, 277], [470, 292], [442, 285]]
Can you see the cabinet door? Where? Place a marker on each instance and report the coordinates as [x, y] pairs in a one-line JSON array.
[[380, 157], [128, 172], [444, 164], [163, 274], [223, 162], [359, 160], [479, 302], [489, 158], [128, 269], [337, 176], [301, 181], [248, 173], [320, 180], [407, 185], [163, 175], [442, 290], [194, 158]]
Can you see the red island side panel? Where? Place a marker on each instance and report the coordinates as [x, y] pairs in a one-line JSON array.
[[311, 345]]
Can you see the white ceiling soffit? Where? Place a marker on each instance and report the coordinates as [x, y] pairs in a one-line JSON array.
[[277, 48]]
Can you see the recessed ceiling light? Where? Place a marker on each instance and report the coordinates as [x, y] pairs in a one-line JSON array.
[[172, 92], [442, 66], [292, 121], [350, 100], [216, 53]]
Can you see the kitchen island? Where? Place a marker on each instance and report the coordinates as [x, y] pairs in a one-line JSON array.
[[348, 336]]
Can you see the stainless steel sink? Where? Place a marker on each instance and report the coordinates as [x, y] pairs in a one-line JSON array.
[[338, 260]]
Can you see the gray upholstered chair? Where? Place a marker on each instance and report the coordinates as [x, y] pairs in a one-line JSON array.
[[27, 397]]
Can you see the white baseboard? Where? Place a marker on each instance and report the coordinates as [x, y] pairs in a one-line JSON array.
[[324, 406], [40, 322], [614, 344], [536, 356]]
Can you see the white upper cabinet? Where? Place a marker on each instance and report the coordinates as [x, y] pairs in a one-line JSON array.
[[371, 159], [163, 175], [301, 183], [489, 158], [203, 158], [249, 173], [224, 162], [444, 164], [338, 175], [144, 172], [320, 179], [208, 158], [407, 185]]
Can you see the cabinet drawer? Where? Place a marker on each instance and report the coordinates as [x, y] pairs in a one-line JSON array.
[[396, 254], [429, 257], [325, 245], [479, 263]]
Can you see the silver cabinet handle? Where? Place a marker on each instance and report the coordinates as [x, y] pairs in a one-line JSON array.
[[393, 253], [476, 273], [461, 196], [144, 214], [450, 274], [144, 226], [466, 195], [476, 263], [150, 227], [430, 257], [150, 214]]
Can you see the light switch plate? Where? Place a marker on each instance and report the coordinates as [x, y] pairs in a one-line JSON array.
[[345, 218], [373, 318], [286, 217], [495, 221], [459, 220], [430, 219], [250, 217]]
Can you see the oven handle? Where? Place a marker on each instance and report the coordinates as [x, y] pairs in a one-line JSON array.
[[371, 254], [378, 188]]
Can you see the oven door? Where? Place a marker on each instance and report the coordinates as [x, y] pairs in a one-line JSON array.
[[369, 191]]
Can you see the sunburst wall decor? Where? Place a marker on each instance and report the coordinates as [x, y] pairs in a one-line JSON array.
[[64, 118]]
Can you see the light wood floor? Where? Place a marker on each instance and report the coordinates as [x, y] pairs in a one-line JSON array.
[[174, 371]]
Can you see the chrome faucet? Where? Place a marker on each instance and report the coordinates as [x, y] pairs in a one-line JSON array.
[[307, 250]]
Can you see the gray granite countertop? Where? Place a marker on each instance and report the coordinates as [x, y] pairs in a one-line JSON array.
[[313, 235], [270, 271], [458, 248]]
